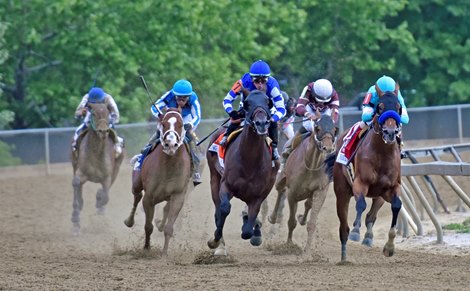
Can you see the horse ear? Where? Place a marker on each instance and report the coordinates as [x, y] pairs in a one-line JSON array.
[[379, 92]]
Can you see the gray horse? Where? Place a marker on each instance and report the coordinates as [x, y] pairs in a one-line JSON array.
[[303, 177], [94, 161]]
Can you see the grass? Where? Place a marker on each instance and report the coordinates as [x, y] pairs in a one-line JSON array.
[[463, 227]]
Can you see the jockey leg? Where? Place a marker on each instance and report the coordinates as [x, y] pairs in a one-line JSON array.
[[274, 135], [194, 158], [231, 128], [403, 155], [118, 141], [78, 131], [290, 144]]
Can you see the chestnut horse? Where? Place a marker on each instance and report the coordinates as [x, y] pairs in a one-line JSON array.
[[377, 174], [249, 172], [304, 178], [94, 161], [165, 176]]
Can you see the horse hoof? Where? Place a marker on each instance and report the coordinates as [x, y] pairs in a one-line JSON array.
[[129, 222], [76, 230], [367, 242], [256, 241], [246, 235], [301, 220], [212, 244], [388, 252], [220, 252], [100, 210], [354, 236], [271, 220]]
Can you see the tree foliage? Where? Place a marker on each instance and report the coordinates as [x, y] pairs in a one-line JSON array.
[[57, 51]]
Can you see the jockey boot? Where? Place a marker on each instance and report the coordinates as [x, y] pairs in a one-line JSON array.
[[403, 154], [231, 128], [195, 163], [274, 135], [118, 145]]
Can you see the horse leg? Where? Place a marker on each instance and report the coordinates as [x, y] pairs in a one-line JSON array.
[[278, 206], [251, 228], [292, 222], [102, 196], [302, 218], [77, 203], [137, 188], [319, 197], [149, 209], [370, 221], [389, 247], [221, 213], [161, 223], [174, 207], [361, 205], [342, 206]]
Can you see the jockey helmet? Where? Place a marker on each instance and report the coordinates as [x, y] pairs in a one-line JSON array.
[[96, 95], [322, 90], [260, 69], [385, 83], [182, 88]]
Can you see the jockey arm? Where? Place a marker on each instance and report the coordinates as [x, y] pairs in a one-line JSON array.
[[161, 104], [194, 118], [274, 92], [232, 95], [113, 109], [81, 108]]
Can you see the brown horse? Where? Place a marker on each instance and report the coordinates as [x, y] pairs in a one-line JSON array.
[[303, 177], [249, 172], [164, 176], [95, 161], [377, 174]]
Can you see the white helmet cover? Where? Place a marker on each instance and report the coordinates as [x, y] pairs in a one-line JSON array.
[[322, 90]]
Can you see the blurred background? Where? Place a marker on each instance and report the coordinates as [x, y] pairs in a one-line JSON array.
[[51, 54]]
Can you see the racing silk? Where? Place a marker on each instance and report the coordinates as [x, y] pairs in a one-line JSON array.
[[308, 99], [245, 85], [110, 104], [191, 111], [370, 100]]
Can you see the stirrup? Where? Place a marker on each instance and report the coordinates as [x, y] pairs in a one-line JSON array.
[[196, 179], [223, 141], [275, 154]]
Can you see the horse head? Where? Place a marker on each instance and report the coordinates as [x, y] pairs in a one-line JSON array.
[[172, 132], [258, 116], [99, 119], [325, 132], [388, 122]]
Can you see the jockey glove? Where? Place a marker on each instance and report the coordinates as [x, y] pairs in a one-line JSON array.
[[187, 126], [234, 114]]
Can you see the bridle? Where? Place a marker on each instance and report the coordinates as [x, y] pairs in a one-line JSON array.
[[172, 120]]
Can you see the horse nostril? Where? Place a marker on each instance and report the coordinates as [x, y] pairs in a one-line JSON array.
[[175, 145], [167, 145]]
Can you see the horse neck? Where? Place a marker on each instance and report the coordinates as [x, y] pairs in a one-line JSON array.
[[313, 155], [95, 143], [250, 141]]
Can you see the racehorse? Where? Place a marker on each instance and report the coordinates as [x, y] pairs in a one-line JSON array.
[[249, 172], [304, 178], [164, 176], [377, 174], [95, 161]]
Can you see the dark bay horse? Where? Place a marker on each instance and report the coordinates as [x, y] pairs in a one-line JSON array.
[[165, 176], [249, 172], [377, 174], [304, 178], [95, 161]]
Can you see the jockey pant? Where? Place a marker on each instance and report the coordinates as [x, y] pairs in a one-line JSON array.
[[273, 134], [78, 131], [193, 151]]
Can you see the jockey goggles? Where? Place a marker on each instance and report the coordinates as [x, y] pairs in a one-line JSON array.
[[259, 79]]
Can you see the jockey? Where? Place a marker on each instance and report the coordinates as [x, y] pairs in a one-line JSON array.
[[287, 127], [97, 95], [383, 84], [180, 96], [319, 95], [258, 78]]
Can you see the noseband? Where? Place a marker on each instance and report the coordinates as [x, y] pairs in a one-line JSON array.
[[163, 134]]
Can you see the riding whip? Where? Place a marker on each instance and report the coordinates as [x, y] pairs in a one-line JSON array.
[[148, 93], [202, 140]]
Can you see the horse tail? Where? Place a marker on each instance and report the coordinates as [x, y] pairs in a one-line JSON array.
[[328, 165]]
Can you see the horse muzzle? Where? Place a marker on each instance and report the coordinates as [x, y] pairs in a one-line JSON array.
[[261, 126], [389, 136], [170, 143]]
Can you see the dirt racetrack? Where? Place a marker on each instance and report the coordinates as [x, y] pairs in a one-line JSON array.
[[38, 250]]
